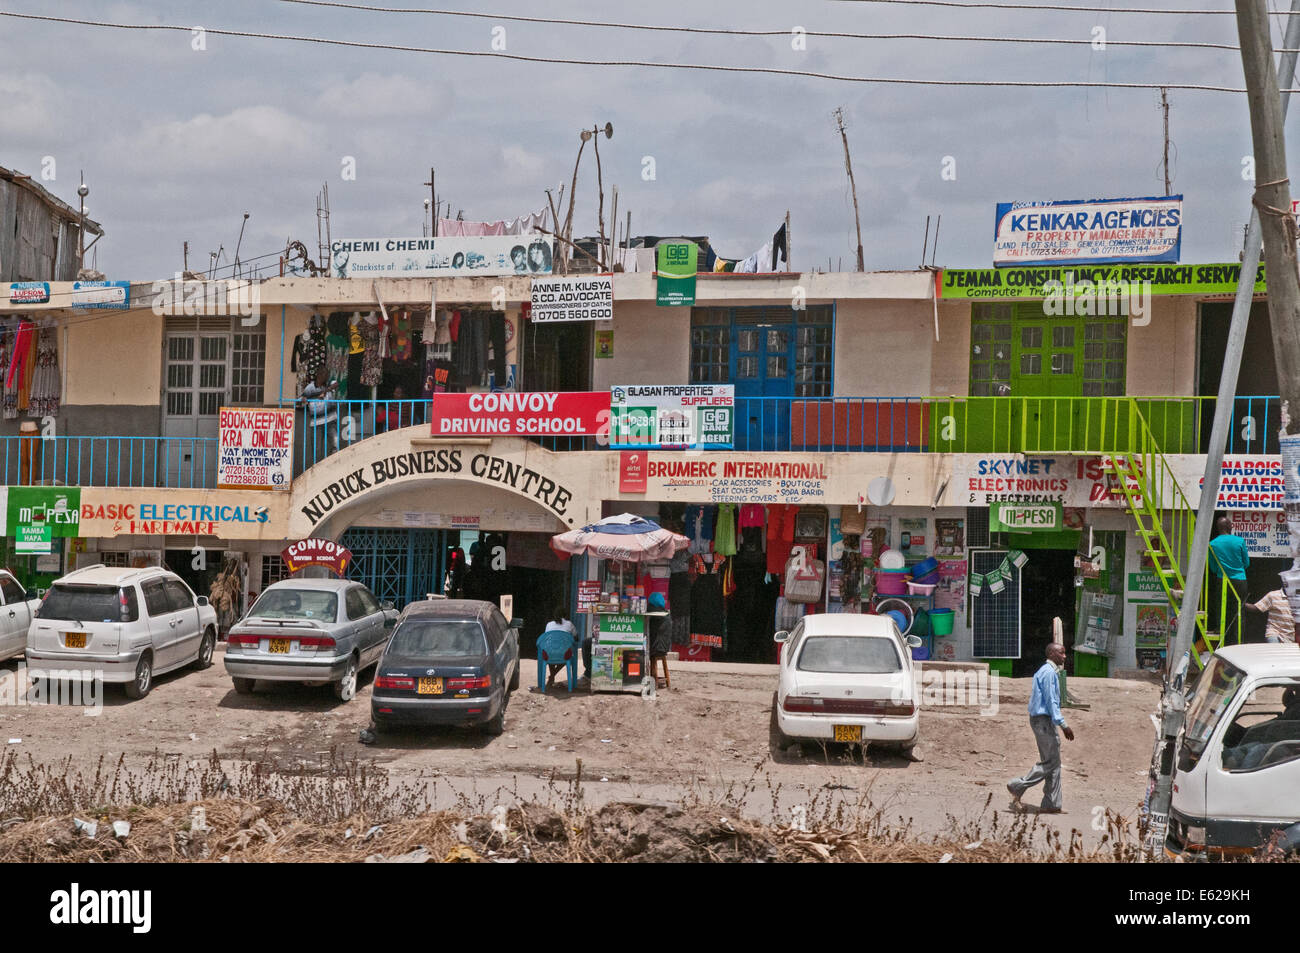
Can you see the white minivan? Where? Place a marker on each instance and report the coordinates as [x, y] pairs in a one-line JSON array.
[[17, 606], [1237, 776], [124, 625]]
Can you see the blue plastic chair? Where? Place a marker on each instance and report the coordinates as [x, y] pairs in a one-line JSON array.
[[555, 648]]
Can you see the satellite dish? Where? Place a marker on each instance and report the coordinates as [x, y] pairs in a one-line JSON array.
[[880, 491], [585, 134], [609, 130]]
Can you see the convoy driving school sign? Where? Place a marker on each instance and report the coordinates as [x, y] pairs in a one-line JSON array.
[[255, 449], [540, 413], [584, 298], [317, 552], [1091, 230]]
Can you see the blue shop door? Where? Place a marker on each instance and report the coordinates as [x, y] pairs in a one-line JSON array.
[[762, 361]]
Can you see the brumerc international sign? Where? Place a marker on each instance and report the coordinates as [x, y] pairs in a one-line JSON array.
[[1088, 231]]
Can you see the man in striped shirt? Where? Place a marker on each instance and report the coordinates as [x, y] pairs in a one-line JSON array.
[[1281, 624]]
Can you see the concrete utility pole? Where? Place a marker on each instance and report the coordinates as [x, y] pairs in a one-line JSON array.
[[1164, 108], [1267, 112], [1273, 193], [848, 165]]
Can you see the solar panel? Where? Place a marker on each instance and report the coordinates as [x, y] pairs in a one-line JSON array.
[[995, 617]]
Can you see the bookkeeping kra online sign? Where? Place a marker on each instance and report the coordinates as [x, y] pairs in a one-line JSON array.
[[540, 413], [255, 448]]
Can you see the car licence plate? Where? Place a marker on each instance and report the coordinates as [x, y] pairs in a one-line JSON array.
[[429, 686], [278, 647], [74, 640], [848, 732]]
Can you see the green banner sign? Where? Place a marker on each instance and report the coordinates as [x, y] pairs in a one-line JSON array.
[[32, 539], [1025, 517], [1076, 281], [1145, 585], [676, 264], [614, 627], [56, 508]]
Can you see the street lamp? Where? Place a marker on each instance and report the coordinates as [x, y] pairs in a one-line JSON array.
[[82, 191], [585, 135]]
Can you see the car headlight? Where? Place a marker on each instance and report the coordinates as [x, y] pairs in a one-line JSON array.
[[1194, 836]]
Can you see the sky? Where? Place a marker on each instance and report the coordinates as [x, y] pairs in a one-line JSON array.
[[178, 142]]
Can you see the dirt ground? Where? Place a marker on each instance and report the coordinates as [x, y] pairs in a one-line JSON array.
[[706, 738]]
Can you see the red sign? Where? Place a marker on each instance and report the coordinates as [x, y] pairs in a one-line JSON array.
[[540, 413], [632, 471], [317, 552]]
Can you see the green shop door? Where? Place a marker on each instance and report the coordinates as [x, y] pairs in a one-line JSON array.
[[1045, 379]]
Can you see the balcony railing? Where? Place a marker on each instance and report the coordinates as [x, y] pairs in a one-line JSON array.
[[1037, 425]]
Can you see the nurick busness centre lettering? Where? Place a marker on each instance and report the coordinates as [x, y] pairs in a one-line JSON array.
[[482, 466]]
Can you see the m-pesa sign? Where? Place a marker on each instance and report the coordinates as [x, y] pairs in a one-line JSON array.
[[542, 413]]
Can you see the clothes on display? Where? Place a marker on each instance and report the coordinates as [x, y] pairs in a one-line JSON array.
[[780, 535], [372, 362], [724, 537], [523, 225], [751, 514], [336, 361], [47, 386], [699, 528], [708, 613]]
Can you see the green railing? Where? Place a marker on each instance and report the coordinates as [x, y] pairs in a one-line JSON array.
[[1067, 425]]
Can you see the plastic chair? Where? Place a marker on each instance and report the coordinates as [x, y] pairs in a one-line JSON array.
[[555, 648]]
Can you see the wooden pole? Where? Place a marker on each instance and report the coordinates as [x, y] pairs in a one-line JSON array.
[[848, 165]]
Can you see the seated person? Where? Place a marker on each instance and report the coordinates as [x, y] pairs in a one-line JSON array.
[[561, 623], [396, 413]]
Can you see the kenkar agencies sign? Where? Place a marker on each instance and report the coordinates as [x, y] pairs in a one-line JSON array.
[[1090, 231]]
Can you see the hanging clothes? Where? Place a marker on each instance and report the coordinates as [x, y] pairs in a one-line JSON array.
[[47, 385], [708, 620], [18, 358], [315, 349], [372, 362], [401, 340], [780, 535], [751, 514], [471, 349], [679, 605], [699, 527], [28, 355], [336, 362], [497, 339], [724, 536], [356, 342]]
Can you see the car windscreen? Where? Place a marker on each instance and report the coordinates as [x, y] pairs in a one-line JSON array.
[[1214, 692], [318, 604], [444, 638], [89, 604], [849, 655]]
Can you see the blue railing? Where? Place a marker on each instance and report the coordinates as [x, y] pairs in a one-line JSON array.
[[766, 424]]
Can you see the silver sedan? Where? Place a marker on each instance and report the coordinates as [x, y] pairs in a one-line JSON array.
[[317, 631]]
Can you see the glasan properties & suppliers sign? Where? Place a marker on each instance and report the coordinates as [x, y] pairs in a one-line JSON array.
[[694, 416], [1088, 280], [1088, 230]]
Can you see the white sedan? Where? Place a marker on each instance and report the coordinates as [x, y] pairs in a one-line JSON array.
[[847, 677]]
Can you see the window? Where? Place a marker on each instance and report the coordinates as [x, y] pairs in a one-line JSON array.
[[1214, 692], [847, 654], [297, 604], [990, 349], [368, 601], [273, 570], [155, 597], [116, 560], [248, 366], [90, 604], [447, 638], [710, 346], [12, 591], [355, 609], [179, 595], [1103, 359], [769, 343], [1266, 730]]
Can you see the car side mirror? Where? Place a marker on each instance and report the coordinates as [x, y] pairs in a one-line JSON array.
[[516, 623], [201, 600], [31, 594], [914, 641], [782, 636], [387, 605]]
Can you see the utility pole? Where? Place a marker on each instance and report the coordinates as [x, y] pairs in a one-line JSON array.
[[433, 196], [1273, 194], [1267, 112], [848, 165], [1164, 164]]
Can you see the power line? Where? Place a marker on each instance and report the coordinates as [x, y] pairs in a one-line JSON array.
[[1046, 6], [704, 67], [721, 31]]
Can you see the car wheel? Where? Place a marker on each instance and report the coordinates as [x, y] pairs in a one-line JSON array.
[[345, 689], [514, 679], [244, 686], [498, 724], [139, 686], [779, 740], [207, 646]]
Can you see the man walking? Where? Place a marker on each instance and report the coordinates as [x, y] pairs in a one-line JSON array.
[[1044, 716], [1229, 558]]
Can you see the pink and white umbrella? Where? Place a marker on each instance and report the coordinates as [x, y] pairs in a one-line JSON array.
[[627, 537]]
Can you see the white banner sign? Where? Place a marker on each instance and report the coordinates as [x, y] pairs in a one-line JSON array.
[[255, 448], [672, 415], [444, 257], [581, 298], [1091, 231]]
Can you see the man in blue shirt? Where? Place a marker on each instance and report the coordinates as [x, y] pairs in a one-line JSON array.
[[1229, 559], [1044, 716]]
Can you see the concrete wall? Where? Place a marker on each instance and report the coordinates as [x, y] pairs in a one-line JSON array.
[[883, 348], [652, 345], [1162, 352]]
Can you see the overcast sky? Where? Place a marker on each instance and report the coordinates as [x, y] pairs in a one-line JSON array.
[[177, 143]]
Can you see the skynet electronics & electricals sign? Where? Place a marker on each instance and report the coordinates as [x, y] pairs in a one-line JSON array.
[[1090, 231]]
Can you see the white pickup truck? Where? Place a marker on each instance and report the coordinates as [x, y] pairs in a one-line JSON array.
[[1237, 777], [17, 607]]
